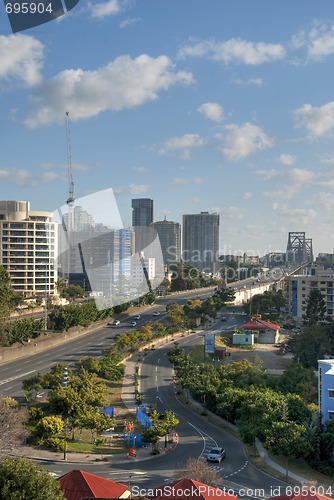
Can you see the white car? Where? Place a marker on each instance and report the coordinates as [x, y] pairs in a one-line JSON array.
[[133, 323], [156, 313], [137, 316], [116, 322], [216, 455]]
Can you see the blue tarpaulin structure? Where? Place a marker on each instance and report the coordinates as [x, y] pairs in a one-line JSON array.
[[107, 410], [135, 441], [142, 408], [142, 418]]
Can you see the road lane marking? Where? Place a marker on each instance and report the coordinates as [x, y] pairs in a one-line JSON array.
[[2, 382]]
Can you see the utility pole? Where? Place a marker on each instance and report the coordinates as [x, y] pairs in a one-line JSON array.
[[46, 300]]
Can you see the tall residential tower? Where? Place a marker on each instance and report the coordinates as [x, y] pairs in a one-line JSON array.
[[201, 241], [170, 240], [28, 246]]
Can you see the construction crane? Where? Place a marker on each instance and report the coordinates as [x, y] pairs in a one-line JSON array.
[[70, 199]]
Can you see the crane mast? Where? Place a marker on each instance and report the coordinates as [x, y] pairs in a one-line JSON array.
[[70, 199]]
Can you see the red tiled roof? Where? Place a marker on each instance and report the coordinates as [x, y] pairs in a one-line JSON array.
[[304, 495], [186, 489], [257, 324], [78, 484]]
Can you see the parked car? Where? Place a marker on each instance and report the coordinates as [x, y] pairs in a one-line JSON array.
[[116, 322], [216, 455], [137, 316], [156, 313]]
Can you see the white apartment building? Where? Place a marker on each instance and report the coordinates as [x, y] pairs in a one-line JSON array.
[[28, 246], [138, 278], [299, 286]]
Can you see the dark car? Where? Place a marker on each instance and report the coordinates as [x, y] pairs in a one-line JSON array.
[[216, 455], [224, 318]]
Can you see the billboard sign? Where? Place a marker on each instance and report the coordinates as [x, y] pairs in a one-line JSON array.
[[209, 344]]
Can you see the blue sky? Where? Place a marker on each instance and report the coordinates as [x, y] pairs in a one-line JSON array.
[[223, 106]]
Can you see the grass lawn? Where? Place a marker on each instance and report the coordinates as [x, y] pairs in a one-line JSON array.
[[114, 446]]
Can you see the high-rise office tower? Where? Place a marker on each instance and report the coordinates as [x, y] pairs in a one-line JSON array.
[[28, 247], [170, 239], [142, 212], [142, 218], [201, 241]]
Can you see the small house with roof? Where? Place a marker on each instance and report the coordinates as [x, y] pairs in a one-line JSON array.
[[188, 489], [79, 484], [264, 332], [326, 388]]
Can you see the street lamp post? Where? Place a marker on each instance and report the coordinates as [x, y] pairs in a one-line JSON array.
[[64, 384], [65, 440], [46, 300]]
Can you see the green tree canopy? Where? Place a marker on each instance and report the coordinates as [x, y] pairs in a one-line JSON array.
[[72, 292], [315, 307], [20, 480]]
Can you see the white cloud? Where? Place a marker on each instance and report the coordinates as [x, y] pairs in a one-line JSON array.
[[179, 146], [247, 196], [129, 22], [287, 159], [139, 169], [318, 121], [211, 110], [285, 193], [327, 160], [195, 199], [297, 215], [300, 176], [132, 189], [184, 181], [21, 58], [228, 212], [242, 141], [325, 201], [103, 9], [252, 81], [329, 184], [123, 83], [237, 51], [63, 166], [266, 174], [321, 42], [21, 177]]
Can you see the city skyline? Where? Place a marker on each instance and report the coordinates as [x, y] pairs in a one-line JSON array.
[[229, 112]]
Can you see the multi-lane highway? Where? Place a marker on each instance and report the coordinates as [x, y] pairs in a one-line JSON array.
[[92, 344], [197, 435]]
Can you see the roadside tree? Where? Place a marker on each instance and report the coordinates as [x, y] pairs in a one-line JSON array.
[[198, 470], [20, 480], [286, 438], [315, 307]]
